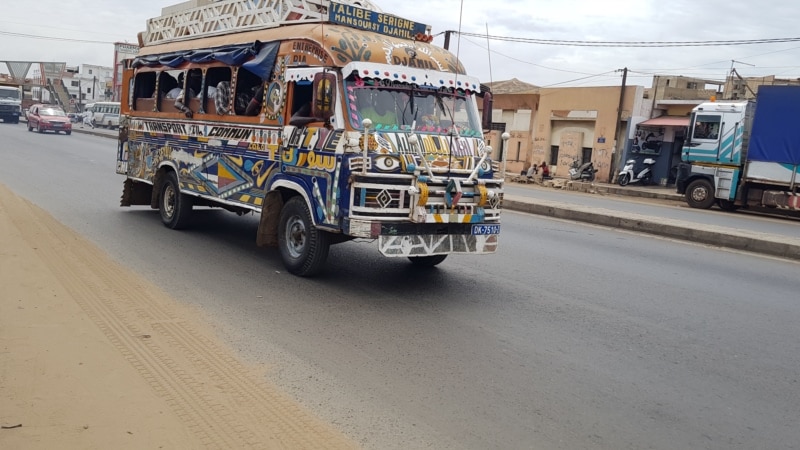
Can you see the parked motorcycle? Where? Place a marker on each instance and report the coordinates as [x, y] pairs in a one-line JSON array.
[[627, 175], [583, 172]]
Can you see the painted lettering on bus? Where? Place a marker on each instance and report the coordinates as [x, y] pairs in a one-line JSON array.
[[166, 127], [312, 160], [241, 134]]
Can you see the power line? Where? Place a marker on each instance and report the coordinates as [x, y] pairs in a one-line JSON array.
[[53, 38], [634, 43]]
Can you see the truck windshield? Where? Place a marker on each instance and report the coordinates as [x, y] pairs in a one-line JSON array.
[[9, 94], [403, 106]]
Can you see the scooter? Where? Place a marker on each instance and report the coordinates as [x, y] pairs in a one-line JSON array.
[[644, 176], [583, 172]]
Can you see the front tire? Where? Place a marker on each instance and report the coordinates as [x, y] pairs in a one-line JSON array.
[[175, 208], [303, 247], [427, 261], [623, 179], [700, 194]]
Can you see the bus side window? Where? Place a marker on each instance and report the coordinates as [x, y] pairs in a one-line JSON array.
[[144, 90], [218, 90], [247, 86], [302, 96]]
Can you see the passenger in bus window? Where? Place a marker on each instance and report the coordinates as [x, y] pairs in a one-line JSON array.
[[254, 106], [192, 86], [222, 97]]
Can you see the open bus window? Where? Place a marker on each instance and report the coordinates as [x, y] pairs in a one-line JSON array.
[[218, 90], [247, 86], [302, 111], [144, 88]]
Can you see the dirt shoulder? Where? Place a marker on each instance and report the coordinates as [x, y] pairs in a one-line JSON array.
[[94, 357]]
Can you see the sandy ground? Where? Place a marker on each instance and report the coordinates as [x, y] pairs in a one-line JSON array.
[[94, 357]]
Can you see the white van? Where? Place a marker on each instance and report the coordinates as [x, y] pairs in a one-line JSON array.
[[106, 114]]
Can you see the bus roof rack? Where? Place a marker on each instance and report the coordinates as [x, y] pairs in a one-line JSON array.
[[216, 17]]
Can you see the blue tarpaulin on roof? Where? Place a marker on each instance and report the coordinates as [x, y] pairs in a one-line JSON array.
[[776, 126], [257, 57]]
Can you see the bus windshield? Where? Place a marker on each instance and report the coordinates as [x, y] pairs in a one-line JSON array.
[[403, 106]]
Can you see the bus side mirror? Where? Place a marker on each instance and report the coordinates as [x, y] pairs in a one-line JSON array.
[[324, 95], [486, 116]]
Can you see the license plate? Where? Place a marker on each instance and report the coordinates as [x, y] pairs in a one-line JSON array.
[[485, 229]]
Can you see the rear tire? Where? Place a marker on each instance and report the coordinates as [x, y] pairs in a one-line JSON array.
[[175, 208], [68, 132], [700, 194], [623, 179], [303, 247], [427, 261]]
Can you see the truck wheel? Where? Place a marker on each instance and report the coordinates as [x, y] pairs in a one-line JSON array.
[[700, 194], [427, 261], [623, 179], [302, 246], [175, 208]]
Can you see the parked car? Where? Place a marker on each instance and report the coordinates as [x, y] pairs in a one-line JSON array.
[[48, 118], [74, 118]]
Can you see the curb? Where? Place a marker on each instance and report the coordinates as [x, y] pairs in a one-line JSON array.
[[675, 229]]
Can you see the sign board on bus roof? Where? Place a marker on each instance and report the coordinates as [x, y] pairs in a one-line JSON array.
[[377, 22]]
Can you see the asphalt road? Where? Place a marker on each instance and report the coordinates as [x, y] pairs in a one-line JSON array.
[[570, 337]]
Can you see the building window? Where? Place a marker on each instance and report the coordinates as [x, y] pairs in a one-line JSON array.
[[90, 71], [586, 154], [553, 155]]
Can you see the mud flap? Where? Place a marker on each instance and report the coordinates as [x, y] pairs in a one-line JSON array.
[[135, 193], [268, 224]]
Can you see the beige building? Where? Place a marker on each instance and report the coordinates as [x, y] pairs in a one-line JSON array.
[[561, 125]]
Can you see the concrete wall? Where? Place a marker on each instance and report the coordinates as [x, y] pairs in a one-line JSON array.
[[573, 118]]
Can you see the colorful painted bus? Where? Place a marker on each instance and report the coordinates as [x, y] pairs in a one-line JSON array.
[[333, 123]]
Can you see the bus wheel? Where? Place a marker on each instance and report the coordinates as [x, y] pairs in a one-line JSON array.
[[427, 261], [700, 194], [175, 208], [302, 246]]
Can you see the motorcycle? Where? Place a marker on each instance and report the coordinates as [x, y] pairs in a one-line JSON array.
[[583, 172], [627, 175]]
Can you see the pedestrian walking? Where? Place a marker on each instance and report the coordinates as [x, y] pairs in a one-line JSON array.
[[88, 118]]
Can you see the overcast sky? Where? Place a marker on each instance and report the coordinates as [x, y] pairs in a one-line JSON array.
[[107, 21]]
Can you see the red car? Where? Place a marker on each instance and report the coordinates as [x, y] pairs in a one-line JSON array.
[[48, 118]]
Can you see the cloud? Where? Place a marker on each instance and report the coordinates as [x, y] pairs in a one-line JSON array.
[[107, 21]]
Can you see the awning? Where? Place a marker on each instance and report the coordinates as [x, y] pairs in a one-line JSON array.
[[666, 121]]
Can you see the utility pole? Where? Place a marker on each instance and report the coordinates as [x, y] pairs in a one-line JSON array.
[[730, 77], [618, 151]]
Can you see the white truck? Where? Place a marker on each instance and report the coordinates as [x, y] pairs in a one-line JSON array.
[[10, 102], [744, 154]]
